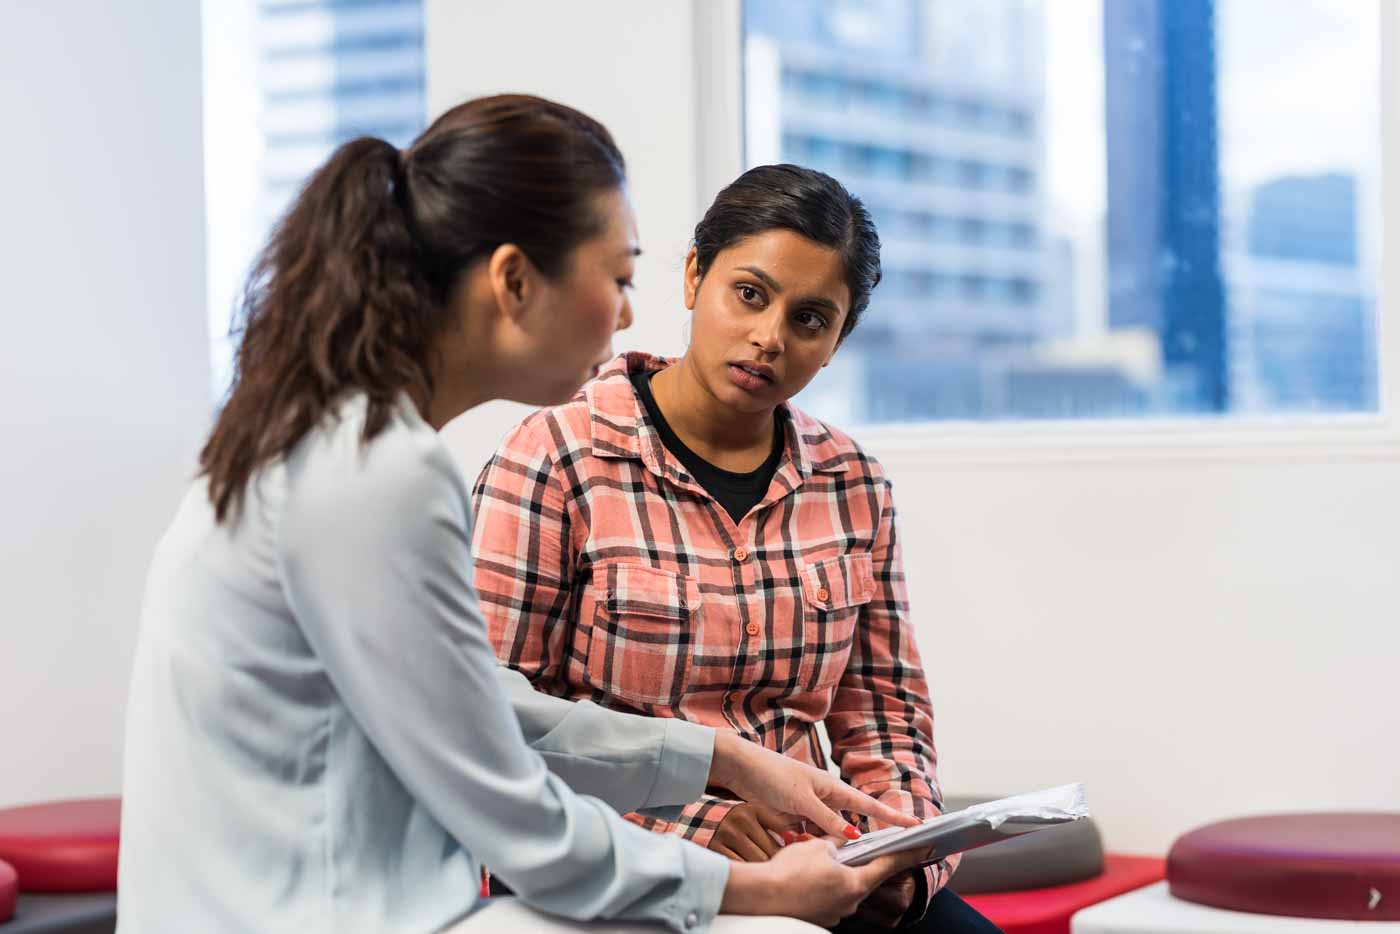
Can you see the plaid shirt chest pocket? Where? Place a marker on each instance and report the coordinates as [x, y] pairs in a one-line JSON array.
[[646, 624], [834, 593]]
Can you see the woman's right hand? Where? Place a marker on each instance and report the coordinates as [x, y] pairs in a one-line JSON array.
[[804, 881], [793, 790]]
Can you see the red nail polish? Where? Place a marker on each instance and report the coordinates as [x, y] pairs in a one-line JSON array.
[[851, 833], [789, 836]]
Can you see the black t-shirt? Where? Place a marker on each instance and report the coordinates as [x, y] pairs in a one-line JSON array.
[[736, 492]]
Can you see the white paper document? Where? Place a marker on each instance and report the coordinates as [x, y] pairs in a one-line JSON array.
[[976, 826]]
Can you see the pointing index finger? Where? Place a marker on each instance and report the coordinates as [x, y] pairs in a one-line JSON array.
[[828, 820], [860, 802]]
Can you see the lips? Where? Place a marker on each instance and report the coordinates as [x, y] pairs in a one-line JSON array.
[[761, 370], [751, 377]]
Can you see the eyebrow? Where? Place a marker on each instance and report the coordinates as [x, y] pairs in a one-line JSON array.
[[773, 284]]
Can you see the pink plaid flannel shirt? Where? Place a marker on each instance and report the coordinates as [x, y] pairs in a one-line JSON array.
[[606, 572]]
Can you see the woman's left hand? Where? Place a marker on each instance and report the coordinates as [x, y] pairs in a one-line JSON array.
[[747, 834], [794, 789]]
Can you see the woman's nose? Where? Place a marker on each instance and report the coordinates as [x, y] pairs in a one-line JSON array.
[[767, 333]]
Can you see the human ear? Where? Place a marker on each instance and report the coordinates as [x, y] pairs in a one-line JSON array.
[[691, 281], [508, 271]]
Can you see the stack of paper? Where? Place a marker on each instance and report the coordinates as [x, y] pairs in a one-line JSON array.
[[977, 826]]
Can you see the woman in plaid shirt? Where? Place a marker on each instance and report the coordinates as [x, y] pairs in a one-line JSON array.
[[679, 540]]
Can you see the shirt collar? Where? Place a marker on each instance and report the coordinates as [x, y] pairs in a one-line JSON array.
[[621, 429]]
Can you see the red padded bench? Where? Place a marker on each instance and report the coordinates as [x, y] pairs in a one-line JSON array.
[[9, 891], [63, 846], [1048, 910], [1343, 866], [63, 861]]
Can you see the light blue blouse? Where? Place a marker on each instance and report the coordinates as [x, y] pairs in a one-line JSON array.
[[319, 737]]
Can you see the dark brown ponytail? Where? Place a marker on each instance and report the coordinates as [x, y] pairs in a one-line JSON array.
[[349, 292]]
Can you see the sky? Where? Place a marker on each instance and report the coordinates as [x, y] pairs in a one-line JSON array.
[[1299, 88], [1299, 92]]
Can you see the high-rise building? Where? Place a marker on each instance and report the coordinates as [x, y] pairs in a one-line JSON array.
[[1312, 219], [285, 83], [931, 113], [1301, 319], [331, 70], [1163, 225]]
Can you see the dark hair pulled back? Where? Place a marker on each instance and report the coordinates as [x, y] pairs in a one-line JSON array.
[[807, 202], [351, 288]]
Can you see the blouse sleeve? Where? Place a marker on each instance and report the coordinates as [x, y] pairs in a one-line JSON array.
[[630, 761], [375, 559]]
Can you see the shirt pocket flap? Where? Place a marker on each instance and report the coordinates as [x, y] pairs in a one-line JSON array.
[[642, 643], [640, 591], [840, 582]]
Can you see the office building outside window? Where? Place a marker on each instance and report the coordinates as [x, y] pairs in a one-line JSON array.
[[288, 81], [1090, 208]]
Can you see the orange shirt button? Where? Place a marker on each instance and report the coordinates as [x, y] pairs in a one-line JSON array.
[[741, 554], [823, 594], [752, 629]]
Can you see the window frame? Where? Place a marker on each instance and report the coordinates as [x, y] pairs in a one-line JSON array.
[[719, 106]]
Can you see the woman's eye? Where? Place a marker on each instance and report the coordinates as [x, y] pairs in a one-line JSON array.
[[749, 294], [811, 320]]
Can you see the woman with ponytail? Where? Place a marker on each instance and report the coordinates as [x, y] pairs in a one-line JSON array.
[[319, 737]]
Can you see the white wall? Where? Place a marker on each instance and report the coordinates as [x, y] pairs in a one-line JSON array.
[[103, 362], [627, 63], [1198, 629], [1195, 638]]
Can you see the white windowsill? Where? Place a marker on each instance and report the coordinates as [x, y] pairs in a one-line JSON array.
[[1342, 437]]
